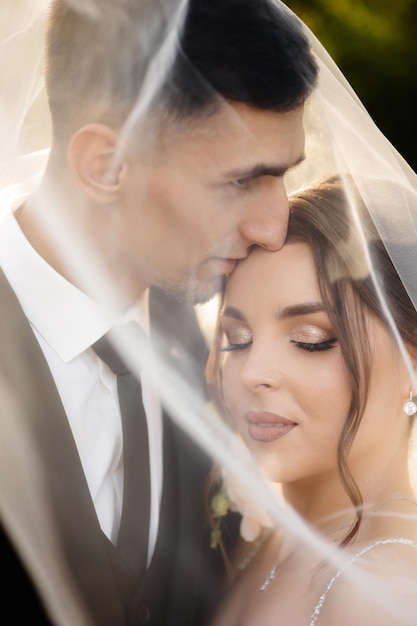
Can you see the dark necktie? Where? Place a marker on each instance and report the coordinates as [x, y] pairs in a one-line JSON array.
[[132, 542]]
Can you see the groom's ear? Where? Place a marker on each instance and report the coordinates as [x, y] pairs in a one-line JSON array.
[[92, 154]]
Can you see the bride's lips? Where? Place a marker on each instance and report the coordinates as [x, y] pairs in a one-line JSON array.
[[266, 426]]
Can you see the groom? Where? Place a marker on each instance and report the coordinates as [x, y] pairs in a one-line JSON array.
[[167, 163]]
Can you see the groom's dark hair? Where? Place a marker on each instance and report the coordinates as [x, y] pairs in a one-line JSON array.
[[249, 51]]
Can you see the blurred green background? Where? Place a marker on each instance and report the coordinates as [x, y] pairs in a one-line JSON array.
[[374, 42]]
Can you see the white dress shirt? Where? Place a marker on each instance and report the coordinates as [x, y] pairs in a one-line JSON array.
[[66, 323]]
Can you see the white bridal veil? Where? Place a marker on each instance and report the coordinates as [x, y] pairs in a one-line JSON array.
[[341, 137]]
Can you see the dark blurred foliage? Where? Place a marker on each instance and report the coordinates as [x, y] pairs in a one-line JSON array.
[[374, 42]]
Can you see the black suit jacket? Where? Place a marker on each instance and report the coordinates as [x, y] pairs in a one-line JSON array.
[[62, 569]]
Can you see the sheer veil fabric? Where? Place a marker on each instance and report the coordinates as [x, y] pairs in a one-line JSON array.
[[340, 137]]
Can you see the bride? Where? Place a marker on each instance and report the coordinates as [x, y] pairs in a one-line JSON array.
[[314, 382]]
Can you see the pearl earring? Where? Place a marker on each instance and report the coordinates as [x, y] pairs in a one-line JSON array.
[[410, 407]]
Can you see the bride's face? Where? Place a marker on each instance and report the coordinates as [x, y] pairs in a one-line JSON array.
[[284, 379]]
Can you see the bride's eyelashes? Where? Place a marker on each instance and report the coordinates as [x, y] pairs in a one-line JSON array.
[[321, 346], [309, 338], [235, 346]]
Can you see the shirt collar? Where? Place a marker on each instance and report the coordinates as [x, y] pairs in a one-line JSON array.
[[68, 319]]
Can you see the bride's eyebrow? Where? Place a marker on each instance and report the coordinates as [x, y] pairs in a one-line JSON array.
[[295, 310], [307, 308], [231, 311]]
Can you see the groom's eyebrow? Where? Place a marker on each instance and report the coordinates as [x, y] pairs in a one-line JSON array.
[[263, 169]]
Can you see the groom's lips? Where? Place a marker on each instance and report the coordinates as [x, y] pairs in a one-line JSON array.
[[265, 426], [224, 266]]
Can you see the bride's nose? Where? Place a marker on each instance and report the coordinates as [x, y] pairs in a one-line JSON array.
[[262, 370]]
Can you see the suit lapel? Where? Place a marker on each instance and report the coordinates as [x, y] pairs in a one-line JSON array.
[[199, 571], [183, 562], [64, 504]]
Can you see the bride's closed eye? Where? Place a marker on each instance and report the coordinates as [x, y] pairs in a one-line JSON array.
[[307, 337], [321, 346], [313, 338], [236, 339]]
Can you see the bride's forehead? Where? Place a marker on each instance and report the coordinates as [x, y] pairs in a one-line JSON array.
[[286, 273], [292, 255]]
